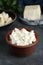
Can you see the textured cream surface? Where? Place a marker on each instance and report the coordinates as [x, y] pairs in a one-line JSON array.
[[22, 37], [32, 12]]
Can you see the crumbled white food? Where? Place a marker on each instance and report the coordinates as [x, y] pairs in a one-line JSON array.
[[1, 20], [22, 37], [13, 41], [5, 18], [9, 20]]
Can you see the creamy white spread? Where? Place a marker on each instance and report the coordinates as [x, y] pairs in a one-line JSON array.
[[22, 37]]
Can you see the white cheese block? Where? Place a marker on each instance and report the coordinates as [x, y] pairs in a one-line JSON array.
[[32, 12]]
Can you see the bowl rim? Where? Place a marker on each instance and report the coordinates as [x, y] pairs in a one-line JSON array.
[[26, 46]]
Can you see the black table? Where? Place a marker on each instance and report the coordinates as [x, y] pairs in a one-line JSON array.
[[7, 59]]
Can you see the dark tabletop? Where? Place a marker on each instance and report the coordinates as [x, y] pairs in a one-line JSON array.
[[7, 59]]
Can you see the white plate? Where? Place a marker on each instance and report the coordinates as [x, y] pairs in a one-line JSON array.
[[32, 22]]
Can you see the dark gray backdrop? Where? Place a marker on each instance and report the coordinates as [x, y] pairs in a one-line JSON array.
[[30, 2]]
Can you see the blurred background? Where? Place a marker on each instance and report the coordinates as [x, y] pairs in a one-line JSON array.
[[18, 5]]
